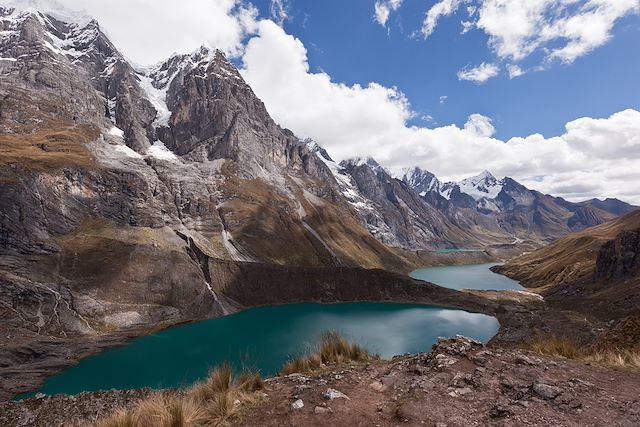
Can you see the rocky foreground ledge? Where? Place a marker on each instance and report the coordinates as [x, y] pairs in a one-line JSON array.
[[459, 383]]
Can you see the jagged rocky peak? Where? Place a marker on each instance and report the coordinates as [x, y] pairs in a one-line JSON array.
[[206, 60], [421, 181], [482, 185], [72, 36], [206, 111], [40, 55], [357, 162], [314, 147]]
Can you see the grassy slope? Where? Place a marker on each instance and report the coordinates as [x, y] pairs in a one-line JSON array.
[[564, 272], [570, 259]]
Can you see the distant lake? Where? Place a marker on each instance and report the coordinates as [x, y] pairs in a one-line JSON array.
[[477, 276], [265, 338]]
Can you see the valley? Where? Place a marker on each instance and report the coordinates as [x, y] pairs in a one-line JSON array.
[[164, 203]]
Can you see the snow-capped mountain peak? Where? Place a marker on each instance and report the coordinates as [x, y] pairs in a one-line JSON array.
[[484, 185], [421, 181], [155, 80], [362, 161], [51, 8]]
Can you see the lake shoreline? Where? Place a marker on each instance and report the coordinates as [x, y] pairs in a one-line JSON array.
[[271, 336], [254, 285]]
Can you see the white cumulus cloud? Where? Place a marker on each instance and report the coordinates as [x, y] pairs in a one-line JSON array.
[[150, 31], [563, 30], [479, 74], [593, 158], [437, 11], [383, 9], [479, 125]]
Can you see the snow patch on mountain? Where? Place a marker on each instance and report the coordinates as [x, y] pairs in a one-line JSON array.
[[368, 161], [345, 182], [161, 152], [127, 152], [51, 7], [421, 181], [481, 186], [446, 189], [158, 98], [116, 132]]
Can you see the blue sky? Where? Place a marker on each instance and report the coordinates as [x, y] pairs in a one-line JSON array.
[[344, 40]]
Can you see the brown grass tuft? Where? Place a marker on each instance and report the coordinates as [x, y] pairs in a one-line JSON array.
[[334, 350], [250, 382], [610, 357], [120, 418], [557, 347], [216, 401], [221, 378], [616, 358]]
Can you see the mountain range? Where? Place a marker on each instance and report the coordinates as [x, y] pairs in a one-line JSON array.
[[124, 189]]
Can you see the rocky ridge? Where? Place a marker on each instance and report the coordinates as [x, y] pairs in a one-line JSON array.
[[505, 207]]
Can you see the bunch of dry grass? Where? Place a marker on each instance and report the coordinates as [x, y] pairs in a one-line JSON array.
[[557, 347], [615, 358], [161, 410], [213, 402], [334, 349], [564, 347]]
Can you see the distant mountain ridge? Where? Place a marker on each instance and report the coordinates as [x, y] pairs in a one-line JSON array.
[[513, 205]]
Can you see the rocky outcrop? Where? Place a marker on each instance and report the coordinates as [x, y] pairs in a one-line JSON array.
[[620, 257], [459, 382]]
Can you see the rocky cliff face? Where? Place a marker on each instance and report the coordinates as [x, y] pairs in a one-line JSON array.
[[118, 185], [620, 257]]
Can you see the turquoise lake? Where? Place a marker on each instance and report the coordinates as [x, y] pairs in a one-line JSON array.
[[265, 338], [476, 276]]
